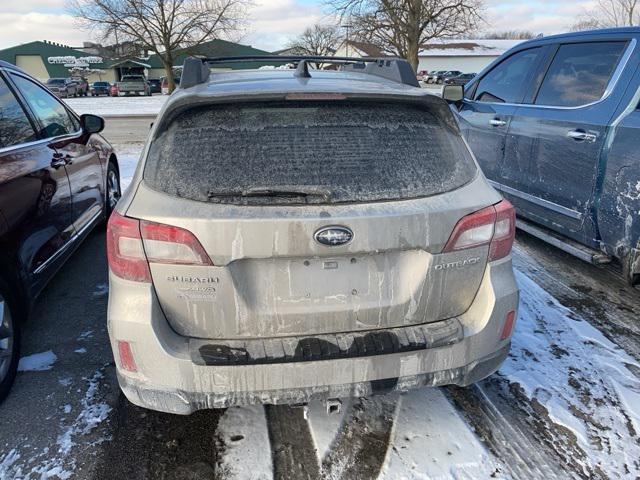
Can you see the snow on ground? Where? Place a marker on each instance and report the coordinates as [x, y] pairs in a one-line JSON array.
[[432, 441], [245, 439], [587, 384], [128, 156], [37, 362], [57, 461], [111, 106]]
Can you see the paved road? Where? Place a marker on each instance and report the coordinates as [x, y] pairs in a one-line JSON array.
[[123, 129]]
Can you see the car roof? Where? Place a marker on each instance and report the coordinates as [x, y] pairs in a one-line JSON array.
[[583, 35]]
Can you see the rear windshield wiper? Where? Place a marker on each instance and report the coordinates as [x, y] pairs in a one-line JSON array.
[[277, 191]]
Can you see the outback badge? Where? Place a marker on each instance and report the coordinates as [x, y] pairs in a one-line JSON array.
[[333, 236]]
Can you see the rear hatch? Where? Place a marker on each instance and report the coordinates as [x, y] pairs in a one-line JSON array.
[[317, 217]]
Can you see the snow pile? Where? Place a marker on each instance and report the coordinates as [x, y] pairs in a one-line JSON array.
[[37, 362], [431, 440], [588, 385], [243, 433]]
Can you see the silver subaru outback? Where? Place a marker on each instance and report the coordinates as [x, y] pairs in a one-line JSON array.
[[293, 235]]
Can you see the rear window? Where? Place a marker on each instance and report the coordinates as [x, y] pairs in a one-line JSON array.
[[317, 152]]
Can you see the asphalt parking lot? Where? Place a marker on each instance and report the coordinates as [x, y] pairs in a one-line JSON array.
[[71, 421]]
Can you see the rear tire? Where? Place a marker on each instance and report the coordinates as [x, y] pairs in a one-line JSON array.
[[113, 191], [9, 340]]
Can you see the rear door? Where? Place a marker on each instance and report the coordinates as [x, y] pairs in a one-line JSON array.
[[35, 198], [552, 160], [486, 113], [72, 147]]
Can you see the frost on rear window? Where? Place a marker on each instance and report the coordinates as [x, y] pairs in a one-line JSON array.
[[328, 152]]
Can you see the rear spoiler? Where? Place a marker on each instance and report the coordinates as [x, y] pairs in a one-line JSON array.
[[196, 70]]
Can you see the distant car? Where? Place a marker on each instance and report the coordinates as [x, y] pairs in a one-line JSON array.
[[62, 87], [441, 76], [433, 75], [422, 75], [155, 85], [133, 85], [82, 86], [460, 79], [100, 88], [58, 180], [165, 84]]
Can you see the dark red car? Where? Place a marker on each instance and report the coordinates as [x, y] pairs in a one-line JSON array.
[[58, 180]]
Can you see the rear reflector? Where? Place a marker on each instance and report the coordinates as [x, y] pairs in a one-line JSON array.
[[127, 361], [494, 226], [133, 244], [508, 325]]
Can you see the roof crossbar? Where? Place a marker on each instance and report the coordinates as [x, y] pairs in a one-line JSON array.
[[196, 70]]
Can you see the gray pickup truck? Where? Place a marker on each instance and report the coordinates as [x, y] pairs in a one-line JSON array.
[[133, 85], [555, 125]]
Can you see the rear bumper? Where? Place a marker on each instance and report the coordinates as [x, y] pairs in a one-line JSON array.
[[170, 379]]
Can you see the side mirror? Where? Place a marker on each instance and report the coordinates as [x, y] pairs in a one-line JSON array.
[[91, 123], [453, 93]]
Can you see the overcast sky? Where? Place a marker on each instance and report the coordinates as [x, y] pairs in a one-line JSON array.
[[272, 22]]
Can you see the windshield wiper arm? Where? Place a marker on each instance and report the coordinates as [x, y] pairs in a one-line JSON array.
[[288, 191], [278, 191]]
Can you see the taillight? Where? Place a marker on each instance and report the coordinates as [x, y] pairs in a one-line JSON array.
[[504, 231], [174, 245], [125, 251], [132, 244], [494, 226]]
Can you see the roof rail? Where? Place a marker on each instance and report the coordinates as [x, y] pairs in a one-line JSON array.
[[195, 70]]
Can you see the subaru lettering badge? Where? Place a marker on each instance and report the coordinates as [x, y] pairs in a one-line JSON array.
[[333, 236]]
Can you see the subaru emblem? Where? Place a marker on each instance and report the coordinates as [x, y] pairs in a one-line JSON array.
[[333, 236]]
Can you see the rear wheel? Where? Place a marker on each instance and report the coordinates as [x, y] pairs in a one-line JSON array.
[[114, 191], [9, 342]]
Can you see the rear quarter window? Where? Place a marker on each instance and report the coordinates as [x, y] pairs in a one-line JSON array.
[[358, 152], [580, 73]]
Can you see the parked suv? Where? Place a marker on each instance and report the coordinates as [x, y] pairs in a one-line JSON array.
[[58, 179], [285, 240], [62, 87], [555, 126]]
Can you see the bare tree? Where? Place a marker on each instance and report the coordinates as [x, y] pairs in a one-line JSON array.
[[585, 24], [610, 13], [161, 26], [509, 35], [318, 40], [401, 27]]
